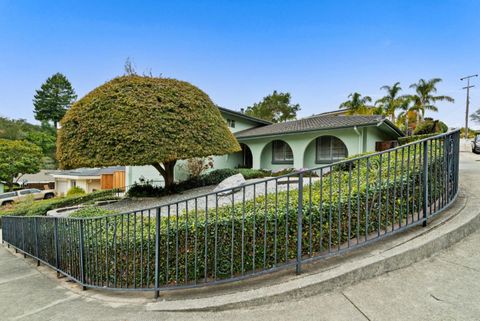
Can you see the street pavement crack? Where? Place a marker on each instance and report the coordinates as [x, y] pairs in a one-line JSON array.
[[458, 264], [356, 307]]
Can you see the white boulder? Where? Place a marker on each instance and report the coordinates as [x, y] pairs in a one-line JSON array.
[[230, 183]]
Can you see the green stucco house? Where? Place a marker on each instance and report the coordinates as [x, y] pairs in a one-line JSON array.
[[303, 143]]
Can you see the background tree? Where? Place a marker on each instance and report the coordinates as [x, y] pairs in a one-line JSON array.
[[476, 116], [408, 112], [275, 108], [390, 102], [358, 105], [53, 99], [16, 158], [424, 98], [134, 120], [44, 136]]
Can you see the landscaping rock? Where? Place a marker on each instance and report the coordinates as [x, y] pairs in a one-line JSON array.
[[229, 183]]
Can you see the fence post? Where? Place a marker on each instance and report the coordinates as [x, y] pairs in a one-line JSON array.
[[23, 238], [57, 253], [299, 224], [82, 256], [37, 245], [425, 182], [157, 251]]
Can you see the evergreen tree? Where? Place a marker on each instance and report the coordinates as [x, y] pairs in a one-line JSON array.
[[53, 99]]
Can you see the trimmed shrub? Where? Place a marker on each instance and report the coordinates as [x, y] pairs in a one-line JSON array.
[[216, 176], [145, 190], [75, 190], [150, 121], [250, 173], [414, 138], [92, 211], [29, 207]]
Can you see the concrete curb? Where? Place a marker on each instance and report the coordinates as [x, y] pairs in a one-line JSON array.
[[463, 218]]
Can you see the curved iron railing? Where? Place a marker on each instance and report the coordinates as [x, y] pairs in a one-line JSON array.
[[259, 227]]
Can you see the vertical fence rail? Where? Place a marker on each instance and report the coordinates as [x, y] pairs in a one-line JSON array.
[[263, 226]]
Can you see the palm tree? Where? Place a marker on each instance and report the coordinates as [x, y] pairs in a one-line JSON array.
[[389, 103], [406, 105], [358, 105], [476, 116], [424, 98]]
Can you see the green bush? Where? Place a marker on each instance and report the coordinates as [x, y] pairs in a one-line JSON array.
[[92, 211], [75, 190], [250, 173], [216, 176], [410, 139], [145, 190], [430, 126], [29, 207]]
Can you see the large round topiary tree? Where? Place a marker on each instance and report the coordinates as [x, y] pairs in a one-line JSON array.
[[134, 120]]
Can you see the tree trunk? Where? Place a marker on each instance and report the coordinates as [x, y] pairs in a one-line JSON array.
[[166, 169]]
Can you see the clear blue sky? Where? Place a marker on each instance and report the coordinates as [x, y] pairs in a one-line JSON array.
[[240, 51]]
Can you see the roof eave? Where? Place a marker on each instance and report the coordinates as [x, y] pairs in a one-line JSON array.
[[393, 127], [241, 115]]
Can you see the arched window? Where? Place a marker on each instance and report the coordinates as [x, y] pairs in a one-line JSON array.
[[330, 149], [281, 153]]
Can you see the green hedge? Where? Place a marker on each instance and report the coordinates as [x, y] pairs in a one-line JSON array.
[[409, 139], [92, 211], [322, 216], [30, 207], [211, 178]]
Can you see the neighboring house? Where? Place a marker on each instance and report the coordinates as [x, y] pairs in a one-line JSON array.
[[304, 143], [89, 179], [41, 180], [2, 187]]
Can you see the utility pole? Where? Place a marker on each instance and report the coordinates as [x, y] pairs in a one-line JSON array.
[[468, 101]]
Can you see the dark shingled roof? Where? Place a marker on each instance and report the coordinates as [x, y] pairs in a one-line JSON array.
[[318, 122]]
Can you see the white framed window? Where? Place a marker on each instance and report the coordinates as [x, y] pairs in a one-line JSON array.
[[230, 123], [330, 149], [73, 183], [281, 153]]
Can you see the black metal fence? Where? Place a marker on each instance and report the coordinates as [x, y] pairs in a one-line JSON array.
[[256, 228]]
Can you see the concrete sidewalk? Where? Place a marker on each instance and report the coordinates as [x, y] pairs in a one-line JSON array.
[[443, 287]]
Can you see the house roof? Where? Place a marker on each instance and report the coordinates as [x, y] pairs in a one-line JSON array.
[[318, 122], [338, 112], [44, 176], [88, 172], [242, 115]]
